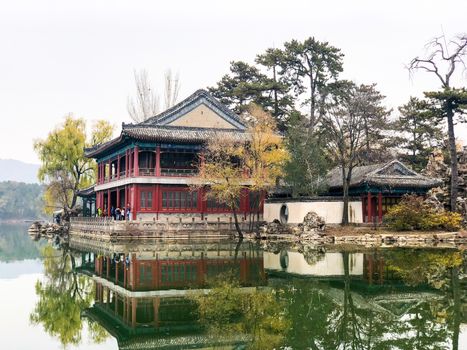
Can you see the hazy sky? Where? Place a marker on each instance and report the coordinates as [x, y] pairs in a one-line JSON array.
[[61, 56]]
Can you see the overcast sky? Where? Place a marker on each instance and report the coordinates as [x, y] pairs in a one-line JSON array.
[[60, 57]]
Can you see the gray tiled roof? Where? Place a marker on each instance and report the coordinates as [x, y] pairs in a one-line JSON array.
[[167, 133], [393, 174], [179, 133]]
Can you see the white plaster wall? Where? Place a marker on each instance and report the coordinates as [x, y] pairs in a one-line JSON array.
[[330, 211], [331, 265]]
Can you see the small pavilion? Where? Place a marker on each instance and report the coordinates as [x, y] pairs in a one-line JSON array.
[[380, 186]]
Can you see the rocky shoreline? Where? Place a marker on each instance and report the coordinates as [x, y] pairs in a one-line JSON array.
[[313, 229], [396, 239]]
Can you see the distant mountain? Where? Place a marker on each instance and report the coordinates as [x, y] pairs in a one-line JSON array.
[[15, 170]]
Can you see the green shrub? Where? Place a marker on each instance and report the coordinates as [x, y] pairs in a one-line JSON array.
[[414, 213]]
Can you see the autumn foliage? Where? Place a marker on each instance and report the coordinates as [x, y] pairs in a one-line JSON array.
[[416, 213]]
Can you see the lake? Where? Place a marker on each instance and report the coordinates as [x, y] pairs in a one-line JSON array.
[[177, 294]]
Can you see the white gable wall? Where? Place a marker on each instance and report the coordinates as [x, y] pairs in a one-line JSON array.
[[202, 117]]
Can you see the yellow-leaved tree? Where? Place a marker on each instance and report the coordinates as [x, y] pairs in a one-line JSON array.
[[64, 168], [252, 162]]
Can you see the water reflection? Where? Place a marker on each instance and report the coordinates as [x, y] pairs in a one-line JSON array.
[[199, 294]]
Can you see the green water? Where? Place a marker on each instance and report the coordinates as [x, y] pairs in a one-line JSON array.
[[228, 295]]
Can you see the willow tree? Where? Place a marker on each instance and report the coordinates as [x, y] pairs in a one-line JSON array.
[[231, 165], [64, 169], [442, 61]]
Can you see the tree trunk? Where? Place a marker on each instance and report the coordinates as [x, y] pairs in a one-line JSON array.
[[237, 226], [453, 155], [345, 195]]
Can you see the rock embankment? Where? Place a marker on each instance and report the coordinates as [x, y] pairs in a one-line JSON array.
[[49, 230], [404, 238], [312, 228]]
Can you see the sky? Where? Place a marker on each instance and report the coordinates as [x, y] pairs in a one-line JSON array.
[[61, 57]]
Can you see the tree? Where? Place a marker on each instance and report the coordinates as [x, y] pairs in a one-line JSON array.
[[172, 87], [146, 103], [244, 85], [64, 169], [312, 67], [419, 130], [305, 170], [280, 102], [442, 61], [376, 124], [344, 130], [231, 166]]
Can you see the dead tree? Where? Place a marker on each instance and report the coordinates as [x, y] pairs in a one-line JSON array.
[[442, 60], [146, 103]]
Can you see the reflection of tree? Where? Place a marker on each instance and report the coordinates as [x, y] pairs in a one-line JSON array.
[[438, 269], [258, 314], [63, 294], [346, 314]]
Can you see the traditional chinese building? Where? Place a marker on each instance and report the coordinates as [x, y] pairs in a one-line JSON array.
[[150, 165], [373, 190], [380, 186]]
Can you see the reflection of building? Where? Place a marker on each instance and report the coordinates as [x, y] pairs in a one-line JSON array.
[[145, 266], [149, 166], [324, 265], [145, 301]]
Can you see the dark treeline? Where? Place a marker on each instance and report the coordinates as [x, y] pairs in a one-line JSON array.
[[19, 200], [329, 121]]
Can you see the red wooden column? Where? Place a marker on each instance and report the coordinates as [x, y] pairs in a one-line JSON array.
[[118, 167], [369, 213], [380, 207], [126, 163], [130, 162], [98, 200], [136, 162], [108, 202], [118, 198], [158, 161], [108, 267]]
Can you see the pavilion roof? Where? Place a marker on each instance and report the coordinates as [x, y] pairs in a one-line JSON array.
[[167, 133], [391, 174], [86, 192]]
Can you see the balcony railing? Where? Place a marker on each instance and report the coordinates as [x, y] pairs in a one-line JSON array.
[[146, 172], [178, 172], [172, 172]]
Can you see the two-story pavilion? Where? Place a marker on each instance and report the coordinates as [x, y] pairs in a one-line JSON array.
[[150, 164]]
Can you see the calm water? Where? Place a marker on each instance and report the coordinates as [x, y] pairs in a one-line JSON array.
[[154, 295]]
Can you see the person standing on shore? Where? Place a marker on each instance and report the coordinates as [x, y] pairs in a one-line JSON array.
[[128, 212]]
